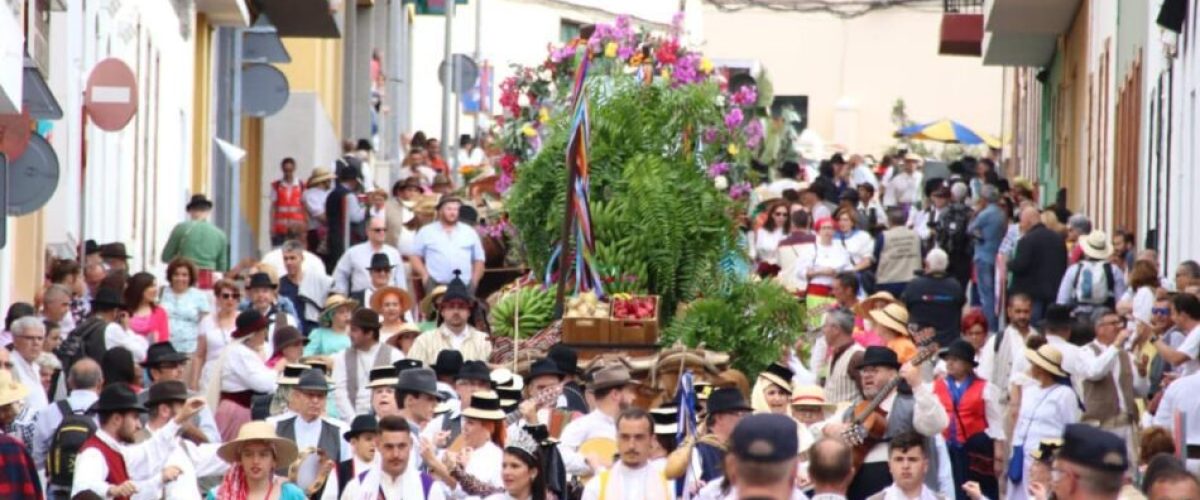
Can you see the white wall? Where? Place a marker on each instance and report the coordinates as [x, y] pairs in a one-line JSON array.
[[868, 62]]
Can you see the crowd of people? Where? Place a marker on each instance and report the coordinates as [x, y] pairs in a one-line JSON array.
[[966, 343]]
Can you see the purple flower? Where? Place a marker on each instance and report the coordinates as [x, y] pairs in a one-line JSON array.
[[710, 135], [745, 96], [686, 70], [677, 23], [739, 190], [625, 52], [504, 182], [718, 169], [733, 119], [754, 133]]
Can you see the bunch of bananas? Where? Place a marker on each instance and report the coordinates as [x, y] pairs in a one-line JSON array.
[[534, 305]]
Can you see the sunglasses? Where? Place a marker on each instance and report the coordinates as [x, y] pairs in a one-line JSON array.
[[234, 296], [1161, 311]]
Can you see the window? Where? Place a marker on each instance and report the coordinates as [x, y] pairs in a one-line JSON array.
[[569, 30]]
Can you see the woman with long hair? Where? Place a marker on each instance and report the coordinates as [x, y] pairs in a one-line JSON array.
[[776, 227], [253, 459], [858, 243], [216, 332], [477, 469], [186, 308], [818, 265], [522, 475], [146, 317], [1048, 405], [1143, 285], [333, 336]]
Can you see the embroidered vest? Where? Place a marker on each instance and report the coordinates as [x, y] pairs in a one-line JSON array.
[[1100, 398], [971, 416], [383, 357], [117, 474]]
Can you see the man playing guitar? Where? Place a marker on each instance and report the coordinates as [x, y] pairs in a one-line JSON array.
[[895, 400]]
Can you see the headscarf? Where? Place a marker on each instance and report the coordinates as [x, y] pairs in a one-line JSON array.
[[233, 485], [823, 221]]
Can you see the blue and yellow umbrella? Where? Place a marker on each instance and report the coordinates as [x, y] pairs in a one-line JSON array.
[[948, 131]]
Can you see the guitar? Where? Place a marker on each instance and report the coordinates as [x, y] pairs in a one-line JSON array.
[[869, 424]]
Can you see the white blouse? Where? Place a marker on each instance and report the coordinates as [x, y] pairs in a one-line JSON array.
[[485, 464], [1045, 413], [860, 245], [818, 256], [766, 245], [244, 370]]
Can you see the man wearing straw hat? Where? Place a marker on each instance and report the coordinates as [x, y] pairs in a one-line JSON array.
[[318, 188], [109, 462], [17, 466]]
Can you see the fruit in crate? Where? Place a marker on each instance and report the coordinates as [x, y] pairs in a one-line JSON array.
[[635, 308], [534, 306], [586, 305]]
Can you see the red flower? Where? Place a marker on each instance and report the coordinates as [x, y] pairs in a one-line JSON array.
[[667, 53]]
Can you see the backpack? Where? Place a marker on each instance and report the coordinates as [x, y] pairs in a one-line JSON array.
[[75, 429], [1094, 284], [86, 340]]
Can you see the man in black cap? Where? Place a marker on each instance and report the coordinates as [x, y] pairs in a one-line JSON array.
[[109, 464], [344, 215], [1090, 465], [765, 449], [447, 246], [381, 270], [363, 435], [910, 406], [454, 332], [199, 240], [264, 298], [305, 424], [165, 364], [352, 370], [726, 407], [568, 363], [357, 265]]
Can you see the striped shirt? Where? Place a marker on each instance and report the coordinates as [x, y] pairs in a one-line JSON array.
[[839, 387]]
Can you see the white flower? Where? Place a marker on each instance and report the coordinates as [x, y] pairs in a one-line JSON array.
[[523, 100], [721, 183]]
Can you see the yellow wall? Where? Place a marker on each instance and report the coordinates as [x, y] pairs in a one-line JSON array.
[[251, 172], [29, 252], [201, 103], [317, 67]]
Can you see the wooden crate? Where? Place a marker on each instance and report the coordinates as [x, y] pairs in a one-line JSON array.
[[586, 331], [635, 331]]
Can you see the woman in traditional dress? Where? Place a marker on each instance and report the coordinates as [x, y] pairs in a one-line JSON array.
[[253, 458], [240, 374], [476, 471], [216, 331], [773, 390], [333, 336], [1048, 405], [394, 306], [819, 264]]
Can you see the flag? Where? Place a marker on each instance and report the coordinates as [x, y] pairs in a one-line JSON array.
[[686, 394]]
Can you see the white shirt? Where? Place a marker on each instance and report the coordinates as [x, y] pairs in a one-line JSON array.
[[245, 370], [485, 464], [1189, 348], [407, 485], [833, 256], [1081, 364], [929, 418], [350, 405], [594, 425], [860, 245], [314, 202], [91, 472], [48, 419], [862, 174], [116, 336], [194, 461], [28, 374], [902, 188], [894, 493], [1112, 369], [1180, 397], [1045, 413], [351, 274], [766, 244], [1018, 366], [644, 482], [308, 434]]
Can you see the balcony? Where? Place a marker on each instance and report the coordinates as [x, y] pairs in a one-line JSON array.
[[1024, 32], [962, 28]]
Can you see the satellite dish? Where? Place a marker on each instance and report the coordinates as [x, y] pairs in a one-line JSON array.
[[465, 75], [264, 90], [32, 178]]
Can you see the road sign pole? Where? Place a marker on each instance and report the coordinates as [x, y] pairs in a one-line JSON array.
[[448, 81]]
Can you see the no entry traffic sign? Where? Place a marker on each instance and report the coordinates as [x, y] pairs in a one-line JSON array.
[[111, 95]]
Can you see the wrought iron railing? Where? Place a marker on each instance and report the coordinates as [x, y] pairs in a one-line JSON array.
[[962, 6]]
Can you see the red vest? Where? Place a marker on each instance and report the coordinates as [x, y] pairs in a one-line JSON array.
[[289, 205], [972, 413], [117, 475]]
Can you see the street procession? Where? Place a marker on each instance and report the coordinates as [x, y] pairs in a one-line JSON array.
[[599, 249]]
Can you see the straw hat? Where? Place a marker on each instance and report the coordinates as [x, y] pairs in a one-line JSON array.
[[406, 300], [809, 396], [893, 316], [259, 431], [1096, 245], [11, 391], [779, 375], [333, 303], [914, 157], [873, 301], [485, 405], [430, 301], [1047, 357], [319, 175]]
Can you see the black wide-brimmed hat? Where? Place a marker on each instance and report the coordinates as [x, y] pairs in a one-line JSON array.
[[779, 375], [199, 201], [117, 397], [382, 376], [565, 357], [448, 363], [90, 247], [380, 261], [167, 391], [880, 356], [960, 349], [366, 319], [474, 370], [406, 364], [361, 424], [250, 322], [313, 379], [107, 299], [457, 290], [545, 367], [163, 352], [114, 251], [1057, 317], [726, 399], [418, 380], [261, 280]]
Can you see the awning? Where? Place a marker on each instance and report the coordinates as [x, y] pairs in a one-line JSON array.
[[36, 95], [303, 18], [1172, 14]]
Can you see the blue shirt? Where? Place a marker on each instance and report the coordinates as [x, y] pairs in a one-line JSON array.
[[988, 230], [446, 252], [183, 313]]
